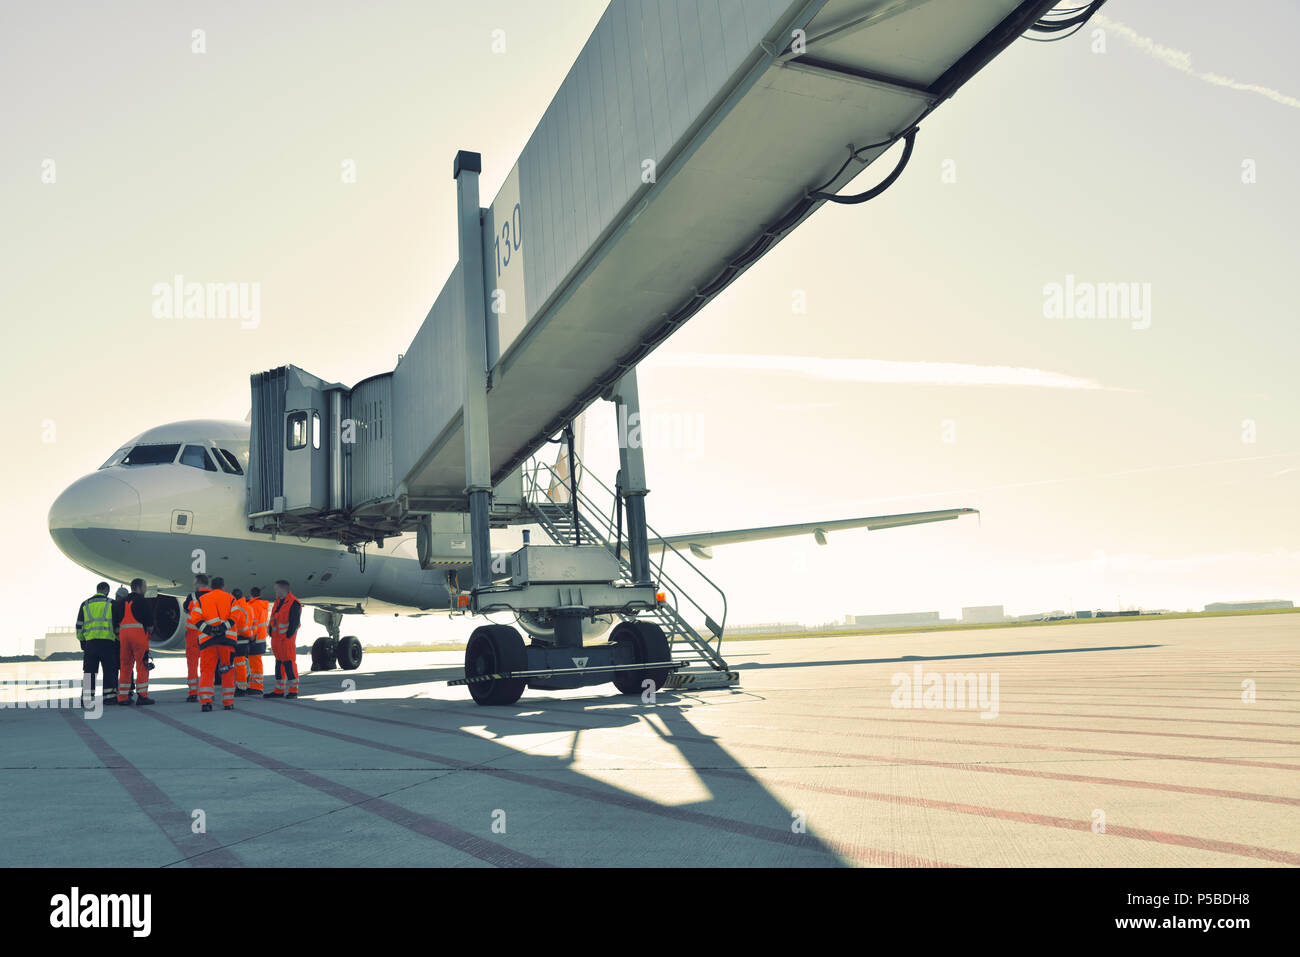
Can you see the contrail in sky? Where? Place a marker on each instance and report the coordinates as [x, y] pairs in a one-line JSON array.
[[1182, 61], [878, 370], [1079, 478]]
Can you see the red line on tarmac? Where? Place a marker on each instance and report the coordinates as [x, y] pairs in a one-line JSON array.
[[1108, 717], [971, 742], [964, 766], [1039, 727], [1047, 820], [1031, 773], [411, 820], [1055, 695], [857, 852], [1120, 782], [1172, 681], [1242, 762], [1120, 831], [201, 850]]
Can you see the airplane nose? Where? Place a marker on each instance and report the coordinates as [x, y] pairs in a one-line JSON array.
[[96, 501]]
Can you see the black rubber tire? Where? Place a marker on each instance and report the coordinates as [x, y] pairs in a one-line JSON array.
[[648, 643], [493, 649], [347, 652], [322, 656]]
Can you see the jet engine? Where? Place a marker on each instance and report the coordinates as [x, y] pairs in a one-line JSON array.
[[168, 624]]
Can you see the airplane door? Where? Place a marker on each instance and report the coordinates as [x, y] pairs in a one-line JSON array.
[[306, 452]]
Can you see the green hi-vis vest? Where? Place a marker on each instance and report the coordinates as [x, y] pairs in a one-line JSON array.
[[96, 619]]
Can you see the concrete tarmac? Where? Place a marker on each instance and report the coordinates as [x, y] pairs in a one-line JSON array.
[[1157, 743]]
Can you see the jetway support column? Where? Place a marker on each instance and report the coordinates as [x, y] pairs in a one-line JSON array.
[[478, 471], [631, 458]]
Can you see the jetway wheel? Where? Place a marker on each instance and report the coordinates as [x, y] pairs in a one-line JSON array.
[[348, 653], [648, 643], [493, 649], [322, 654]]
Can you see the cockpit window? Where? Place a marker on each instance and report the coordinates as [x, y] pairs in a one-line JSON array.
[[229, 463], [197, 457], [151, 455], [116, 457]]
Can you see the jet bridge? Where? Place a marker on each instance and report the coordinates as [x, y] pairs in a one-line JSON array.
[[684, 143]]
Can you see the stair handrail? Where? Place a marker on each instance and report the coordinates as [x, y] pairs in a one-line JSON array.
[[592, 509]]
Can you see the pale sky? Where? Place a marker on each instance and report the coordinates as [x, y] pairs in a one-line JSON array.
[[1155, 467]]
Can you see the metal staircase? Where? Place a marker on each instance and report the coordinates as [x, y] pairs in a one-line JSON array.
[[596, 525]]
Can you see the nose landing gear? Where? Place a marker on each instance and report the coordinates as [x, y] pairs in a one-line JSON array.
[[330, 650]]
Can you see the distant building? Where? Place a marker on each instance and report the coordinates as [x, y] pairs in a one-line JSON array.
[[63, 638], [1248, 605], [904, 619], [1083, 614], [1055, 615], [983, 614], [769, 628]]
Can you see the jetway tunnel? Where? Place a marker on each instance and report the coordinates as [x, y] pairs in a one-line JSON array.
[[686, 141]]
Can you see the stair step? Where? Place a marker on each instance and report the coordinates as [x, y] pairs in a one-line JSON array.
[[687, 645]]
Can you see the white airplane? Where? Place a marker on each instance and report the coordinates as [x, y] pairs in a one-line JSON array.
[[175, 495]]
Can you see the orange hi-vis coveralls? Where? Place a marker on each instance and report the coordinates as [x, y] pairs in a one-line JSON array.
[[135, 648], [240, 614], [193, 618], [259, 612], [216, 645], [284, 637]]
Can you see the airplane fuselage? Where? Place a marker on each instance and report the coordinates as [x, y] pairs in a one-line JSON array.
[[165, 522]]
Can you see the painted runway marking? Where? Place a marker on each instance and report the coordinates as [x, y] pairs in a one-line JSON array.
[[856, 852], [201, 850], [1047, 820], [421, 824]]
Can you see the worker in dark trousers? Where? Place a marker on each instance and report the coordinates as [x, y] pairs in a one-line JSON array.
[[99, 648]]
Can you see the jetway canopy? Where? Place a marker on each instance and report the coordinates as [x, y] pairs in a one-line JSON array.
[[732, 116], [685, 141]]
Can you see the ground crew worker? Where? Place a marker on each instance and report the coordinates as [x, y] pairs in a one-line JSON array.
[[193, 619], [241, 614], [260, 612], [286, 616], [120, 596], [216, 644], [99, 647], [133, 620]]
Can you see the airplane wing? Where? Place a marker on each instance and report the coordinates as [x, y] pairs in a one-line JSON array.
[[701, 543]]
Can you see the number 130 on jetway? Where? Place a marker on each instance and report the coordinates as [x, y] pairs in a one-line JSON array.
[[503, 254], [510, 239]]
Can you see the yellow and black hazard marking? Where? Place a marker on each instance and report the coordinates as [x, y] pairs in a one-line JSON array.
[[703, 679], [548, 672], [477, 679]]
